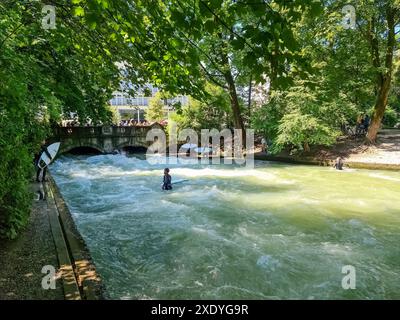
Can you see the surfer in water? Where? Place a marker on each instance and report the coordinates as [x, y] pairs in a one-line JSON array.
[[167, 182], [339, 164]]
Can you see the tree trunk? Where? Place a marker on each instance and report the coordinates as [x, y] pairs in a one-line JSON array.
[[379, 110], [227, 73], [237, 116], [249, 97], [384, 79]]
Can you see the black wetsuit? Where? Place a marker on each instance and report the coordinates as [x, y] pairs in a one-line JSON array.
[[167, 184], [339, 165], [37, 159]]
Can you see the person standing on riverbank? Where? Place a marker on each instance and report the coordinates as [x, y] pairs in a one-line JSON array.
[[39, 170], [366, 123], [359, 124]]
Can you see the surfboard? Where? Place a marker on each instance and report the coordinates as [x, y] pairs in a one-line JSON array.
[[47, 157], [180, 181], [177, 182]]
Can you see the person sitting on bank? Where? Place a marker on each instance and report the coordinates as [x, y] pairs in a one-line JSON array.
[[339, 164], [167, 182]]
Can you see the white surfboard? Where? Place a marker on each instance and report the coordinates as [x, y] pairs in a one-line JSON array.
[[45, 159], [179, 181]]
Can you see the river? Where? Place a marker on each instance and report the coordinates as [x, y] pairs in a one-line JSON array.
[[274, 232]]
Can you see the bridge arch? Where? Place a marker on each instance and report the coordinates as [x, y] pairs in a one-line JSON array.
[[104, 139], [82, 150], [130, 145]]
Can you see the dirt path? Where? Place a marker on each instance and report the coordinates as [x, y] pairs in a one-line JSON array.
[[353, 150], [387, 151], [22, 260]]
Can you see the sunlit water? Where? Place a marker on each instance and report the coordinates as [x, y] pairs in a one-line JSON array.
[[278, 231]]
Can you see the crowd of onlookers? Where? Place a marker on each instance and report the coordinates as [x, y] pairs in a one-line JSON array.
[[362, 125], [70, 123], [122, 123], [133, 123], [142, 123]]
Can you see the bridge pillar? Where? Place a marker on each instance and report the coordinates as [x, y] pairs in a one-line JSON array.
[[108, 145]]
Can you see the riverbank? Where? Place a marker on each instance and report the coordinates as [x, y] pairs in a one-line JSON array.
[[50, 239], [385, 155]]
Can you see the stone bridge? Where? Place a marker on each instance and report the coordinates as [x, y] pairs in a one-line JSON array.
[[104, 139]]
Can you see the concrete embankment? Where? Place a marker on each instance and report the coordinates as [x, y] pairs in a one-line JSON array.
[[384, 155], [317, 162]]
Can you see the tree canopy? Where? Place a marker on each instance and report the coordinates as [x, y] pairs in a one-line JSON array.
[[155, 111]]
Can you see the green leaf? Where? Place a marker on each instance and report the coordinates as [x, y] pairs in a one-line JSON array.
[[78, 12], [209, 25]]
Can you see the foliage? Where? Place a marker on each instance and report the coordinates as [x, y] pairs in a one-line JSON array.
[[211, 113], [44, 74], [115, 115], [341, 84], [391, 118], [155, 111], [265, 120], [300, 118], [303, 130], [181, 45]]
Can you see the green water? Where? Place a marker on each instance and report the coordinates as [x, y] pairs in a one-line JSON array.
[[275, 232]]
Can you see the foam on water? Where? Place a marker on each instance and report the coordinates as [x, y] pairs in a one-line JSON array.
[[382, 176]]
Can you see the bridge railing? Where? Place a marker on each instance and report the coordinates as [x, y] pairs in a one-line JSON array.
[[80, 132]]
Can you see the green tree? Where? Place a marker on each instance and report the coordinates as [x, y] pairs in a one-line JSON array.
[[378, 24], [155, 110], [211, 113], [186, 44], [340, 85], [299, 118], [303, 130], [43, 73]]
